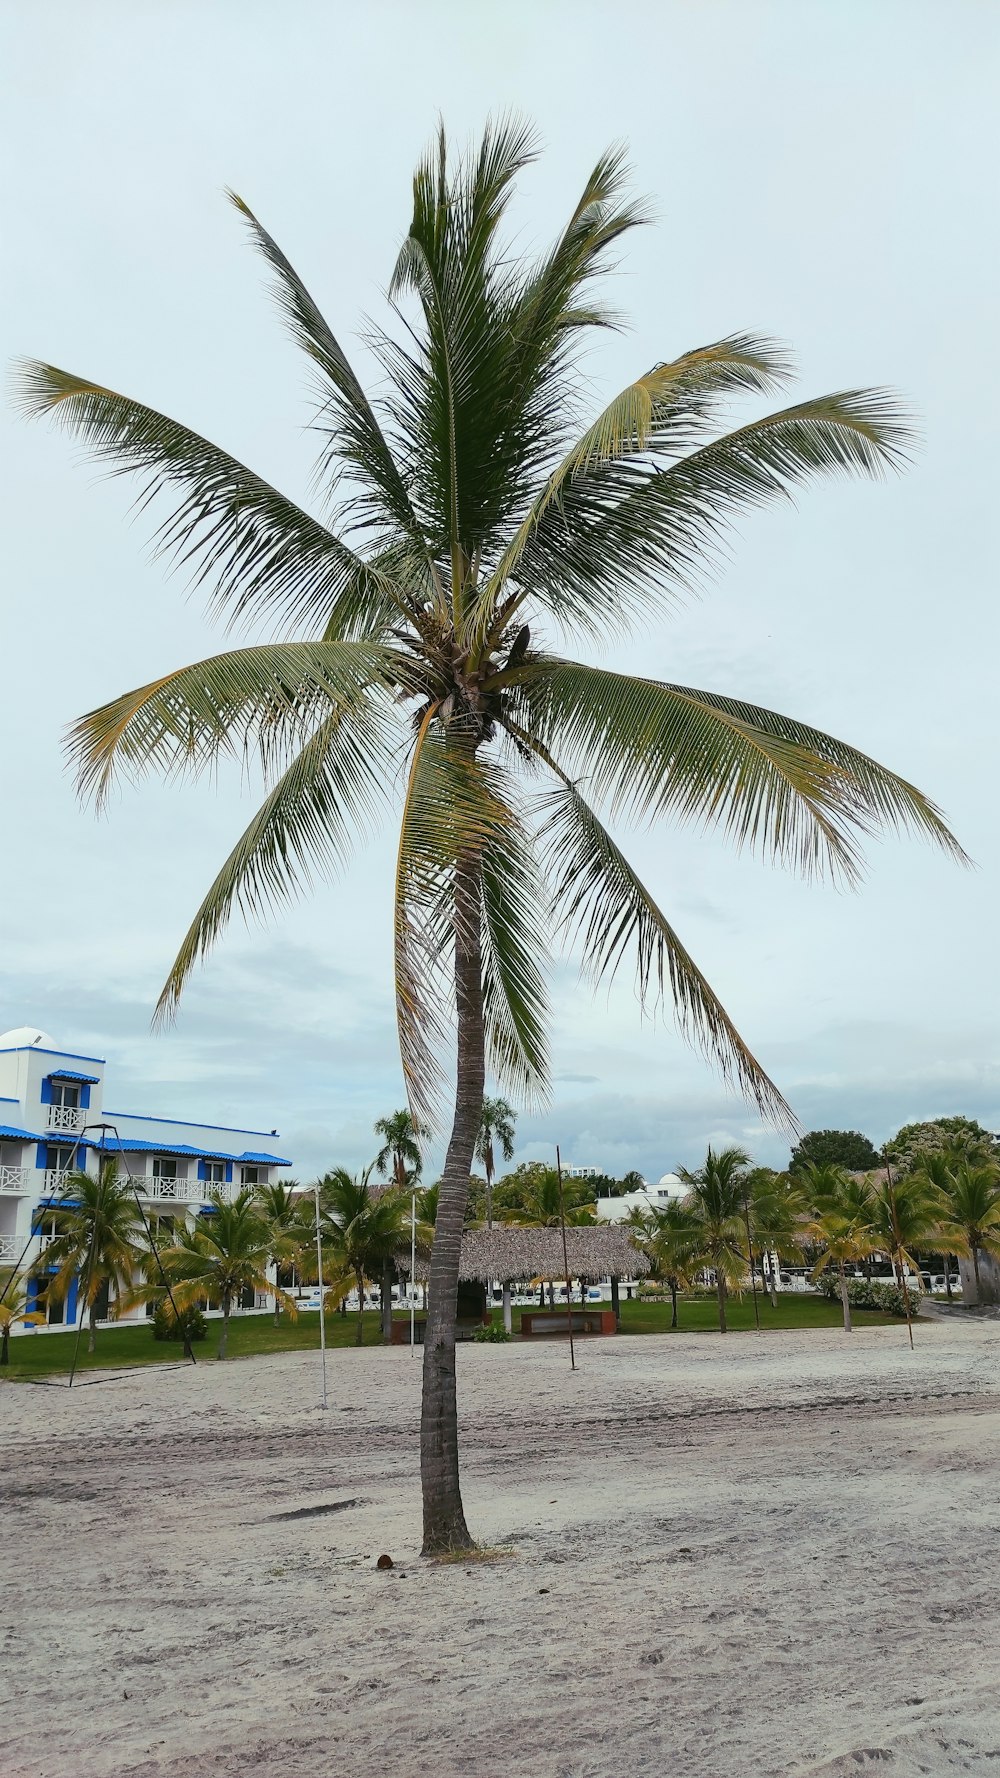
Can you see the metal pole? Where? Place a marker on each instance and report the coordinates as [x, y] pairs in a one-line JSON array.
[[322, 1309], [413, 1271], [562, 1222]]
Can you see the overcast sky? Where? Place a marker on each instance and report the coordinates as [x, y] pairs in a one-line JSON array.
[[822, 171]]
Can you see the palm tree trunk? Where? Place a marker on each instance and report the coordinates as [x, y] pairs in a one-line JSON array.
[[720, 1285], [92, 1327], [359, 1337], [227, 1302], [385, 1301], [5, 1344], [673, 1302], [616, 1302], [975, 1268], [444, 1516], [845, 1299]]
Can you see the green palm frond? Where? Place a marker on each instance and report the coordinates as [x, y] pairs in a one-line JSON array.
[[515, 956], [606, 911], [268, 699], [771, 783], [256, 550], [307, 826]]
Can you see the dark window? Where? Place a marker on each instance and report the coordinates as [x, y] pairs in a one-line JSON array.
[[65, 1092], [164, 1166]]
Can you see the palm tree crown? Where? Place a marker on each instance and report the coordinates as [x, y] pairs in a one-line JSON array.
[[225, 1252], [478, 514], [99, 1238], [362, 1229], [401, 1136]]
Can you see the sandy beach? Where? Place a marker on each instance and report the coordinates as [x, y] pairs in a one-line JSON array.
[[770, 1555]]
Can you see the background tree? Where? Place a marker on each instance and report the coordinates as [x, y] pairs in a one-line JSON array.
[[402, 1135], [670, 1237], [716, 1199], [908, 1213], [841, 1220], [774, 1209], [951, 1136], [496, 1126], [283, 1211], [225, 1252], [361, 1230], [15, 1309], [475, 523], [834, 1148], [99, 1240], [970, 1195]]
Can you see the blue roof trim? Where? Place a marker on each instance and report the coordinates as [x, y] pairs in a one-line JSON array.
[[262, 1160], [5, 1101], [189, 1123], [19, 1049], [9, 1134], [92, 1080], [126, 1145]]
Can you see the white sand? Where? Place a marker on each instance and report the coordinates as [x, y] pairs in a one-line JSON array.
[[732, 1557]]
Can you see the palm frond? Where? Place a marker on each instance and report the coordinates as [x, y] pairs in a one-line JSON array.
[[603, 908], [308, 823], [515, 955], [266, 699], [774, 784], [261, 555]]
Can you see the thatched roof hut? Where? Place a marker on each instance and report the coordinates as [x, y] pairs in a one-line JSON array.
[[511, 1250]]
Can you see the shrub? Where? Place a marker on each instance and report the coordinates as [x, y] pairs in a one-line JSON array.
[[190, 1323], [882, 1294], [494, 1334]]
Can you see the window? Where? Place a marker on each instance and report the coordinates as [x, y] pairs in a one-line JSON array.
[[164, 1166], [60, 1157], [215, 1173], [66, 1092], [249, 1175]]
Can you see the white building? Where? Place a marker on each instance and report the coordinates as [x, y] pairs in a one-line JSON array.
[[651, 1197], [53, 1118]]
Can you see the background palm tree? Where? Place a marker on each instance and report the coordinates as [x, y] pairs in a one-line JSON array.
[[280, 1207], [908, 1214], [496, 1125], [362, 1229], [223, 1254], [840, 1220], [774, 1209], [401, 1135], [479, 517], [716, 1200], [670, 1236], [15, 1310], [99, 1239], [970, 1193]]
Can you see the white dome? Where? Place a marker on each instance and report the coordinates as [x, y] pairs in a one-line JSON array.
[[672, 1184], [24, 1035]]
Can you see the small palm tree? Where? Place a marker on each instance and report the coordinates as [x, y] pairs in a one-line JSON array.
[[716, 1198], [909, 1214], [15, 1310], [670, 1237], [225, 1252], [99, 1238], [773, 1214], [402, 1135], [971, 1204], [362, 1229], [281, 1210], [475, 524], [840, 1221], [496, 1125]]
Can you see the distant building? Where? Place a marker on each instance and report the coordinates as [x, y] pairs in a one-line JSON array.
[[651, 1197], [53, 1119], [569, 1172]]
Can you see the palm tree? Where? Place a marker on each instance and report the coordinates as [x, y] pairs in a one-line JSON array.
[[362, 1229], [774, 1209], [225, 1252], [401, 1135], [840, 1220], [971, 1194], [716, 1199], [477, 522], [280, 1207], [669, 1236], [543, 1205], [908, 1214], [15, 1309], [495, 1125], [99, 1237]]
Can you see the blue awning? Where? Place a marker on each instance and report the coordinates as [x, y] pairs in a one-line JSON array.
[[91, 1080], [262, 1160], [8, 1133]]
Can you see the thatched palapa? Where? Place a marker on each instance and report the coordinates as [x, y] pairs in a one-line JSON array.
[[510, 1250]]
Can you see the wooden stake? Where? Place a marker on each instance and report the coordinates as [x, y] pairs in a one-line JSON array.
[[562, 1224]]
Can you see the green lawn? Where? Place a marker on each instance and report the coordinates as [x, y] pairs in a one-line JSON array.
[[50, 1355]]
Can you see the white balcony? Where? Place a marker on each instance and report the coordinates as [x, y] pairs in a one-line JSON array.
[[16, 1179], [54, 1181], [10, 1248], [65, 1117]]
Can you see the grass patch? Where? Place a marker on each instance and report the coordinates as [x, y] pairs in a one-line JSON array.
[[50, 1355], [465, 1558]]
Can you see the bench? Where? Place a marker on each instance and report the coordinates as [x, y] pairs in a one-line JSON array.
[[536, 1323]]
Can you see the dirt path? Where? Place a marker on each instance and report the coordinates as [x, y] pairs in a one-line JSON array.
[[771, 1556]]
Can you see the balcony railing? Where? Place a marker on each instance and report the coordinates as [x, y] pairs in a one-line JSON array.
[[15, 1179], [65, 1117], [10, 1247]]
